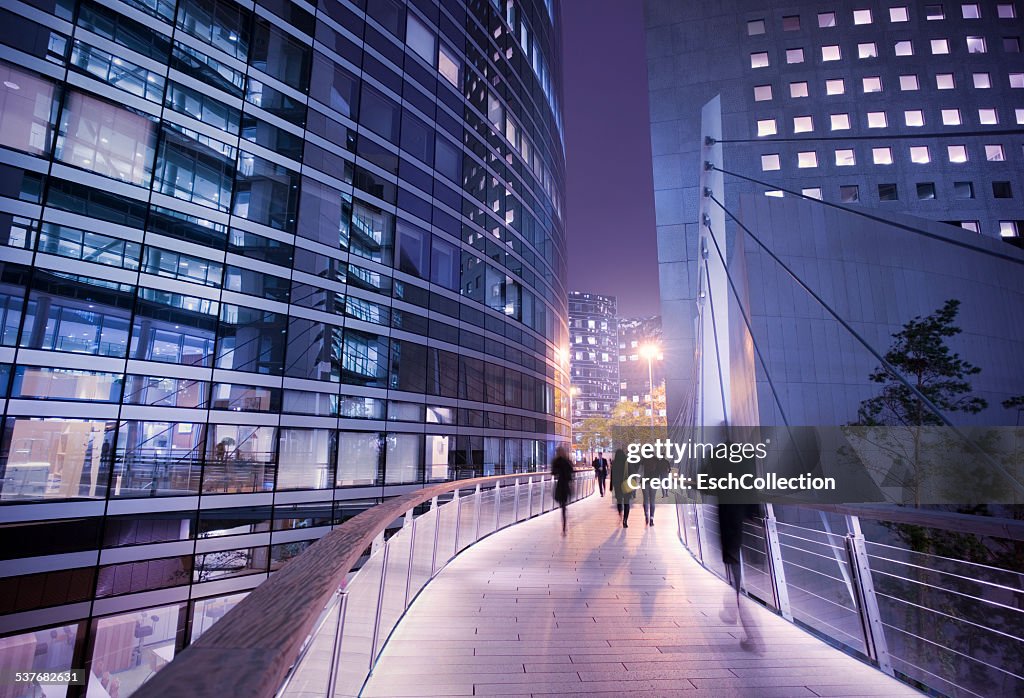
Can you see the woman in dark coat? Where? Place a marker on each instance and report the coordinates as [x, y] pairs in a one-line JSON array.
[[621, 471], [561, 468]]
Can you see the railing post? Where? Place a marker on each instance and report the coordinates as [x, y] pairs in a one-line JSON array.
[[497, 504], [529, 496], [458, 521], [410, 523], [476, 514], [698, 521], [542, 510], [775, 567], [332, 678], [380, 605], [867, 602], [437, 530], [515, 501]]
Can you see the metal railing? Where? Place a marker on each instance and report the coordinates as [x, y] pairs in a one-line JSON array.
[[938, 622], [317, 626]]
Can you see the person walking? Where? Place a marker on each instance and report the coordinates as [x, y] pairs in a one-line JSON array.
[[600, 470], [561, 468], [655, 468], [621, 486]]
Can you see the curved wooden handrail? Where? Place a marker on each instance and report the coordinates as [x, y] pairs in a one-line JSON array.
[[248, 652]]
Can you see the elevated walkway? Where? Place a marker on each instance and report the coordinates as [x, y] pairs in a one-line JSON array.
[[603, 611]]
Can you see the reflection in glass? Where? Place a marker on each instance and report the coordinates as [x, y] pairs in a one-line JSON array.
[[195, 168], [365, 359], [173, 328], [158, 458], [106, 139], [251, 340], [55, 458], [372, 233], [230, 563], [239, 458], [404, 459], [28, 104], [265, 192], [70, 242], [306, 458], [127, 649], [44, 383], [165, 392], [206, 612], [77, 314], [358, 458]]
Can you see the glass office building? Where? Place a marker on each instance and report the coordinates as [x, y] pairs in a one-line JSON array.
[[262, 264]]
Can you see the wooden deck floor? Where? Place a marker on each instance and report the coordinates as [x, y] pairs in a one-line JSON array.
[[603, 611]]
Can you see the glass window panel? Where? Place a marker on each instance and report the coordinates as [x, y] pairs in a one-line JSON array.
[[206, 612], [413, 244], [449, 65], [76, 314], [280, 56], [420, 39], [306, 459], [862, 16], [898, 14], [840, 122], [766, 127], [988, 117], [379, 114], [141, 641], [202, 107], [830, 53], [867, 50], [794, 55], [904, 48], [173, 328], [940, 46], [44, 383], [881, 156], [55, 458], [29, 107], [807, 159], [762, 93], [358, 458], [976, 44], [403, 459], [334, 86], [982, 81], [755, 27], [158, 459], [365, 359], [934, 12], [798, 89], [770, 162], [835, 87], [826, 20], [266, 192], [372, 233], [956, 153], [314, 350], [106, 139], [925, 191], [909, 83], [225, 564], [849, 194], [166, 392], [920, 154], [845, 157], [759, 60], [251, 340], [239, 459]]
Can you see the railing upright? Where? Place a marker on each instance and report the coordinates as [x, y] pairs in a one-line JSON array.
[[867, 602], [436, 509], [410, 524], [775, 567], [332, 679]]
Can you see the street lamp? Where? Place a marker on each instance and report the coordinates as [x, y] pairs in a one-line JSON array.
[[649, 351]]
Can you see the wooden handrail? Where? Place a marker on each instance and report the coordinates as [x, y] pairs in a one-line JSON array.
[[249, 651]]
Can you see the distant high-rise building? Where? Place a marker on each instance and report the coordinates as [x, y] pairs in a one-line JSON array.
[[640, 358], [262, 264], [593, 355]]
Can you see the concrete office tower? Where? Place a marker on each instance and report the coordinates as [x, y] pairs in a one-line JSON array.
[[898, 110], [593, 355], [262, 265]]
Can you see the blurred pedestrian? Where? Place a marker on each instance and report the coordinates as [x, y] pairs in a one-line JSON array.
[[600, 470], [621, 485], [561, 468]]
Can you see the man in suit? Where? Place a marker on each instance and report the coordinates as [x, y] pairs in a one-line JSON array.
[[600, 470]]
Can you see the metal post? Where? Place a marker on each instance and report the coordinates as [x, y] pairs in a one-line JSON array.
[[410, 524], [515, 501], [434, 507], [775, 568], [529, 497], [497, 504], [476, 514], [542, 510], [870, 617], [380, 604], [698, 521], [458, 520], [332, 678]]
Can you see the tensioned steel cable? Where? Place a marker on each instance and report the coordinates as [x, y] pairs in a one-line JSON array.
[[871, 137], [874, 352], [872, 217]]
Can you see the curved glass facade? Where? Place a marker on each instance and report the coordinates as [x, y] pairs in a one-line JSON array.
[[262, 264]]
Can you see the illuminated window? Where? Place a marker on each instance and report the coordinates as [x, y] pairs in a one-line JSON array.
[[872, 84], [759, 60], [944, 81], [830, 53], [775, 193], [849, 193], [755, 27], [770, 162], [766, 127], [971, 225], [988, 117], [813, 193], [940, 46], [803, 124], [994, 153], [933, 12], [807, 159], [956, 153], [982, 81], [1019, 114], [1006, 11], [791, 23], [827, 20], [925, 190], [794, 55], [909, 83], [762, 93], [1017, 81], [1011, 229], [867, 50], [913, 117], [846, 158], [840, 122], [971, 11], [862, 16], [920, 155], [835, 87], [876, 119], [881, 156], [976, 44], [797, 89], [904, 48], [951, 117], [898, 14]]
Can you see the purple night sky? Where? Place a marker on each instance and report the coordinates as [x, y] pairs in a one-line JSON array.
[[609, 190]]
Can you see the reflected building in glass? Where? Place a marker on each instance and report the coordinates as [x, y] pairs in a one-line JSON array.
[[261, 265]]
